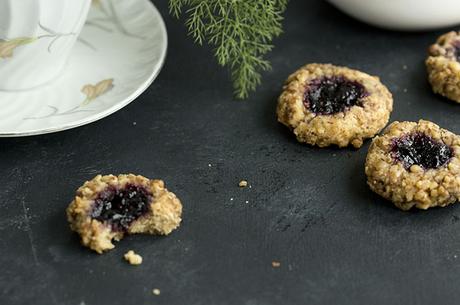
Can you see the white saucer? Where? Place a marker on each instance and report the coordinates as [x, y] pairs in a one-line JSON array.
[[119, 53]]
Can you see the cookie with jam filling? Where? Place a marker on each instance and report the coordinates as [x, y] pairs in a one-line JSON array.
[[328, 105], [415, 165], [108, 207], [443, 66]]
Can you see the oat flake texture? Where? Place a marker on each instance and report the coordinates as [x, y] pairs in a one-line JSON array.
[[443, 66], [351, 126], [413, 186], [161, 218]]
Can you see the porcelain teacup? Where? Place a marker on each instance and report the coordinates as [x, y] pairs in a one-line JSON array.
[[36, 39]]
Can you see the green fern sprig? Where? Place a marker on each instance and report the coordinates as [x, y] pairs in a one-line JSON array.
[[240, 31]]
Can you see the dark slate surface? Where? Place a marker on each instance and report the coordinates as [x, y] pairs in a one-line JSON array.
[[308, 208]]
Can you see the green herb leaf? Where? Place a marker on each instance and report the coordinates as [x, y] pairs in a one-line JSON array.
[[240, 31]]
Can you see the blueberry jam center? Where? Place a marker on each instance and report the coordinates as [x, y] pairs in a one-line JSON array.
[[120, 207], [456, 46], [331, 95], [457, 53], [420, 149]]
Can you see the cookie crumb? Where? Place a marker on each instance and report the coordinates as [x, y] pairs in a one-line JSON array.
[[133, 258], [243, 183], [247, 201], [276, 264], [156, 291], [210, 165], [231, 199]]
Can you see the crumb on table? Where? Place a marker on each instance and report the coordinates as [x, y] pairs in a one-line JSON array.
[[156, 291], [133, 258], [276, 264], [243, 183]]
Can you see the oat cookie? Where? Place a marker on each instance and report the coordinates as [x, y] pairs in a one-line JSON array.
[[415, 164], [329, 105], [443, 66], [108, 207]]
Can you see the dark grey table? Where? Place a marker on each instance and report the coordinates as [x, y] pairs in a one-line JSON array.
[[308, 208]]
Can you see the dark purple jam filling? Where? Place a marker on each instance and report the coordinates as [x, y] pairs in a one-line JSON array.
[[420, 149], [331, 95], [457, 54], [456, 50], [120, 207], [456, 46]]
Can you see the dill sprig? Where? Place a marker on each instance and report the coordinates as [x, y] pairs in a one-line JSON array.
[[240, 31]]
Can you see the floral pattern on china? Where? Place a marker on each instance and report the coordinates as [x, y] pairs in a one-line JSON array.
[[8, 46], [92, 92]]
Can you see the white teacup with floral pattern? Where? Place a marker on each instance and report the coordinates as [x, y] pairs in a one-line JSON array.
[[36, 38]]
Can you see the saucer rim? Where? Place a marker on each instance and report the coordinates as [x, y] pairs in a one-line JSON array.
[[115, 108]]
